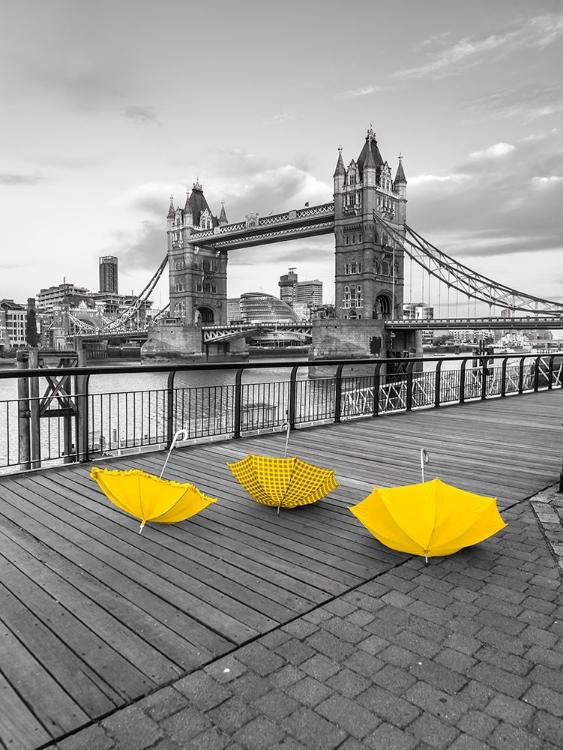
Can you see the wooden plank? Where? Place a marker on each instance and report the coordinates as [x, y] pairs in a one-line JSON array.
[[19, 728]]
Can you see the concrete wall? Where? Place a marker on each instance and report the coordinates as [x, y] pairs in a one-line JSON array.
[[333, 339]]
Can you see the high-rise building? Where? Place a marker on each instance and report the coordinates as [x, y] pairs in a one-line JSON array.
[[288, 287], [108, 274], [310, 292]]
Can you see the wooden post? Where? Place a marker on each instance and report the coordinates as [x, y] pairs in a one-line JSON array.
[[24, 443], [34, 423]]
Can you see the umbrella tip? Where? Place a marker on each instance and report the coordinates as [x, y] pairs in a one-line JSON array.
[[141, 527]]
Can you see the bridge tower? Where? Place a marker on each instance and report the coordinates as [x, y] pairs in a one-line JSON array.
[[368, 267], [197, 275]]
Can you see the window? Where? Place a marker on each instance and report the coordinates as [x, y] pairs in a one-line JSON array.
[[347, 239], [353, 239]]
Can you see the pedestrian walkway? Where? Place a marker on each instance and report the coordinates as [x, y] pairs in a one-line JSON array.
[[464, 654]]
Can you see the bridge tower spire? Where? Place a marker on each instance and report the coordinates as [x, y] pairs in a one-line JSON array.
[[368, 263]]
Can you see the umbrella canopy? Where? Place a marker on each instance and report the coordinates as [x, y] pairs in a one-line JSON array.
[[283, 482], [148, 497], [431, 518]]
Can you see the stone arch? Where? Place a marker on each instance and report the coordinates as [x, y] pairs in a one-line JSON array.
[[382, 306], [204, 315]]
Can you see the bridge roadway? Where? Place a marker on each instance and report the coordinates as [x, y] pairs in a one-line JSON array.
[[241, 629]]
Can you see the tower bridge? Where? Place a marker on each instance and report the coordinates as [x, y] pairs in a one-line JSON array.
[[372, 245]]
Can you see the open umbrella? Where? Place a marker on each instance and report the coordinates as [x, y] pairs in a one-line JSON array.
[[148, 497], [431, 518], [283, 482]]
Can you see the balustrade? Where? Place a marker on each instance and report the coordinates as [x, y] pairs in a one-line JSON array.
[[53, 416]]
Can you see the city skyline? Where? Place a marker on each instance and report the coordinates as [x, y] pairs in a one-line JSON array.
[[105, 118]]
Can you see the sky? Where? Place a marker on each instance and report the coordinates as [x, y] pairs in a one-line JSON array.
[[109, 107]]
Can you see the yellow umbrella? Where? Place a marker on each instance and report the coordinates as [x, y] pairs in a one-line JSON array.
[[148, 497], [431, 518], [283, 482]]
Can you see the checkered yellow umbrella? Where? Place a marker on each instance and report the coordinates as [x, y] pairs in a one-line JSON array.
[[431, 518], [283, 482]]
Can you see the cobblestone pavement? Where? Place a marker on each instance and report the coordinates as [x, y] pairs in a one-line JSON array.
[[464, 654]]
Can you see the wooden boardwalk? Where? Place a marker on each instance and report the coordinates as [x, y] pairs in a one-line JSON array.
[[94, 615]]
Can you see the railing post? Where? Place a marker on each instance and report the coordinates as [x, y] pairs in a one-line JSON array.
[[483, 378], [537, 374], [410, 365], [170, 427], [376, 387], [34, 425], [82, 408], [503, 377], [521, 375], [338, 393], [24, 441], [550, 373], [238, 402], [292, 397], [438, 383], [462, 373]]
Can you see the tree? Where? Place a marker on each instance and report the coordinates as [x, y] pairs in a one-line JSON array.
[[31, 334]]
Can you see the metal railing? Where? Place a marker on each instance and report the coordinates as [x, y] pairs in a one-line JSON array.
[[69, 414]]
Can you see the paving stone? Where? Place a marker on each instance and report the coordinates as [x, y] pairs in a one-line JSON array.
[[397, 599], [499, 622], [477, 724], [508, 662], [429, 612], [309, 691], [132, 729], [340, 607], [295, 651], [501, 593], [317, 616], [383, 628], [548, 728], [476, 694], [508, 737], [184, 725], [94, 737], [332, 647], [231, 715], [364, 663], [360, 617], [286, 676], [551, 678], [202, 690], [454, 660], [258, 734], [299, 628], [260, 659], [388, 706], [348, 683], [275, 639], [546, 699], [418, 644], [510, 710], [466, 742], [388, 737], [437, 702], [320, 667], [546, 656], [354, 719], [209, 740], [276, 705], [249, 687], [393, 678], [373, 644], [344, 629], [163, 703], [225, 669], [314, 731], [502, 641], [440, 677], [398, 656], [435, 733], [463, 625], [364, 601]]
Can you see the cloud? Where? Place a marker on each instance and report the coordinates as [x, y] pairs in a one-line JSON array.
[[141, 114], [537, 33], [19, 179], [508, 201], [496, 151], [362, 91]]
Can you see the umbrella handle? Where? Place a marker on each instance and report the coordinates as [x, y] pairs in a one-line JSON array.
[[286, 425], [182, 432], [424, 459]]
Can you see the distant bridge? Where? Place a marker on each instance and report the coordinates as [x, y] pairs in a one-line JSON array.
[[528, 323]]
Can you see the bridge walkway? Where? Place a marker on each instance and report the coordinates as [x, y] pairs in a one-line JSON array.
[[96, 617]]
